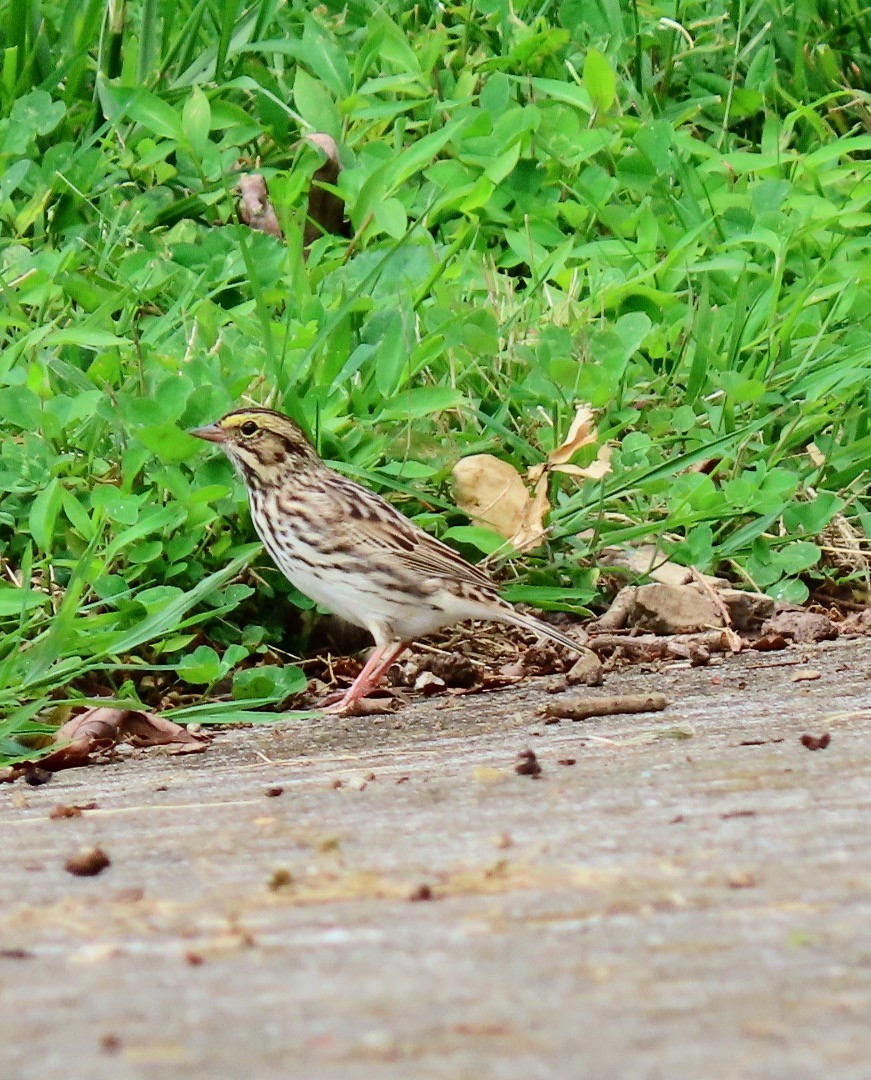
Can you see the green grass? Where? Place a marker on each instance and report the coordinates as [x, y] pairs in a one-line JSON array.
[[662, 210]]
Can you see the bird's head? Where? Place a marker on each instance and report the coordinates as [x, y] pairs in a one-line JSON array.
[[261, 443]]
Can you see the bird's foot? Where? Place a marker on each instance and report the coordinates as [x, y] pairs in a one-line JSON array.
[[354, 701], [348, 705]]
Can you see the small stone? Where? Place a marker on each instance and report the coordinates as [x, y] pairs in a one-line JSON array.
[[527, 764], [88, 863], [36, 777], [428, 683], [280, 879], [586, 670], [816, 742], [798, 625], [674, 609], [110, 1044]]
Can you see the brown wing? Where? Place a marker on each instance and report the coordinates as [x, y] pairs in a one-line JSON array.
[[417, 550], [378, 526]]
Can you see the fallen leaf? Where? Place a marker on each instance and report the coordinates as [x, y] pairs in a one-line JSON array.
[[326, 210], [100, 728], [532, 531], [600, 466], [492, 492], [581, 433], [486, 774], [255, 209]]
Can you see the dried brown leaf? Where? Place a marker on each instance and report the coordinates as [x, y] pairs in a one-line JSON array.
[[532, 531], [255, 209], [152, 729], [492, 493], [100, 728], [594, 471], [582, 432], [326, 211]]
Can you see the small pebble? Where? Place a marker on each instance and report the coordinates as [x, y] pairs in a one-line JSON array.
[[816, 742], [527, 764], [88, 863]]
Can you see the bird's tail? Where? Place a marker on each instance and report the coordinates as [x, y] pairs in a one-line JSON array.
[[529, 622]]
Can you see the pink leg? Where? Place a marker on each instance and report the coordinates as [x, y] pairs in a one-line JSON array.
[[373, 670]]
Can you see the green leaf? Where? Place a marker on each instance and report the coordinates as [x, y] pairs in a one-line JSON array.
[[154, 114], [551, 598], [398, 169], [391, 370], [268, 683], [77, 515], [600, 81], [813, 516], [326, 57], [173, 616], [43, 514], [196, 120], [798, 556], [168, 441], [87, 336], [32, 115], [422, 401], [485, 540], [202, 666], [391, 217], [15, 601], [20, 407], [315, 105], [791, 590]]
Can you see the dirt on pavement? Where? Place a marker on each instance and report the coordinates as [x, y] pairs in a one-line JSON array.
[[684, 893]]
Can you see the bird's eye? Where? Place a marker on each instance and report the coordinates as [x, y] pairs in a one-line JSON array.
[[248, 428]]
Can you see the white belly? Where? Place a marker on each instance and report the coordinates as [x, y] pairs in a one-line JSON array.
[[359, 599], [372, 599]]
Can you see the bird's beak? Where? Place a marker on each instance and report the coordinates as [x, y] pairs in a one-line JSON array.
[[210, 432]]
